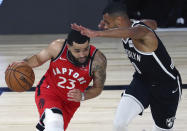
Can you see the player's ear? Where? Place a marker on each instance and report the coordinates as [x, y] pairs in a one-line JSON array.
[[118, 20]]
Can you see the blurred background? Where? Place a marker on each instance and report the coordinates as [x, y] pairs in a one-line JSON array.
[[55, 16]]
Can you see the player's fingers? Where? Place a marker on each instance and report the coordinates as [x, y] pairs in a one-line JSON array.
[[72, 99], [75, 98], [71, 94], [74, 95], [83, 33], [73, 91], [82, 27], [76, 27], [73, 27]]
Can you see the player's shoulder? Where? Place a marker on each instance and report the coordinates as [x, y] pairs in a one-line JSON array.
[[57, 43], [100, 58], [56, 46], [152, 24]]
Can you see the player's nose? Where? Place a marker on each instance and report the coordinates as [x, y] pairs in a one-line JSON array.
[[82, 54]]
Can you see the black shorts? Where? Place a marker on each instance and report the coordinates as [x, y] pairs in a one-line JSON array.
[[162, 98]]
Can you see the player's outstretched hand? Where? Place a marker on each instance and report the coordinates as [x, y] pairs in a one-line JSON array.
[[84, 31], [74, 95]]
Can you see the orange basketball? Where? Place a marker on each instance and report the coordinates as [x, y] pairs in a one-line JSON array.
[[19, 77]]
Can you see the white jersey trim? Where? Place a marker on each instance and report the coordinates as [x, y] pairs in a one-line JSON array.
[[146, 27], [180, 93], [162, 129], [125, 41], [135, 22], [91, 61], [162, 66]]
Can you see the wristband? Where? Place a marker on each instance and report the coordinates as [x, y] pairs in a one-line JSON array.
[[83, 97]]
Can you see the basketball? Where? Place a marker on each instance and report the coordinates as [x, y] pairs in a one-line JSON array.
[[19, 77]]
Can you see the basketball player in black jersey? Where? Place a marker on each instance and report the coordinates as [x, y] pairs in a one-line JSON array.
[[156, 82]]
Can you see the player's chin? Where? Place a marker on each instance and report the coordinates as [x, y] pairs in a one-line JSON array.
[[82, 60]]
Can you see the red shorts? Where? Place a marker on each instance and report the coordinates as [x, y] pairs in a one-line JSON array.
[[46, 98]]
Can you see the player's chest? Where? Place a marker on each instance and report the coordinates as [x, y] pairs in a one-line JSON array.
[[67, 70]]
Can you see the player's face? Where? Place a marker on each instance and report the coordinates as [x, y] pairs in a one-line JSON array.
[[110, 22], [80, 51]]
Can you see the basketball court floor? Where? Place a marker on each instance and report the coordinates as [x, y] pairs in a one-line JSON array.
[[18, 111]]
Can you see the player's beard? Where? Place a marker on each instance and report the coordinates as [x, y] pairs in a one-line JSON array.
[[75, 61]]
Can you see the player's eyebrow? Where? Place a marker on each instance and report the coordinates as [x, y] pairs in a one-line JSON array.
[[106, 22]]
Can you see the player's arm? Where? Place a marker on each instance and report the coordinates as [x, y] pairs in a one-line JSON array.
[[99, 76], [44, 55], [138, 32]]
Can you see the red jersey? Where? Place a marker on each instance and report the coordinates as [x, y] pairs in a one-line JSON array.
[[63, 76]]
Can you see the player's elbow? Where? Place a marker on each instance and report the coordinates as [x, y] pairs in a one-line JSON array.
[[99, 90]]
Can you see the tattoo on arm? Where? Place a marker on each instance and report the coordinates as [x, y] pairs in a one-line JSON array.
[[99, 70]]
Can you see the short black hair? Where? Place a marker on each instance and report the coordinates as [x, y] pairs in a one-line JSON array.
[[116, 9], [76, 36]]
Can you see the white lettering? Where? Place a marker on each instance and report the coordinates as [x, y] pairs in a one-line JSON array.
[[81, 79], [138, 58], [70, 71], [133, 55], [76, 75], [82, 82], [58, 71], [54, 72], [64, 70]]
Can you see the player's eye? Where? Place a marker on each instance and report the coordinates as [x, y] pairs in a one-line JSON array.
[[77, 51], [86, 49]]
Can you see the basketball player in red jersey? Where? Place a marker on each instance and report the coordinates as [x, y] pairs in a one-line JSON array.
[[74, 64]]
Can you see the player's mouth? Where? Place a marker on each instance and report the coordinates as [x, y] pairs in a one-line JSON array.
[[82, 59]]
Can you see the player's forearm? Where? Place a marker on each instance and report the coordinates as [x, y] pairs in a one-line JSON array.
[[116, 33], [134, 33], [33, 61], [92, 92]]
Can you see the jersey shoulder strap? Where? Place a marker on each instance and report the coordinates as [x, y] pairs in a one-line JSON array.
[[93, 51]]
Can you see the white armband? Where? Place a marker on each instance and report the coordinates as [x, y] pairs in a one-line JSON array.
[[83, 97]]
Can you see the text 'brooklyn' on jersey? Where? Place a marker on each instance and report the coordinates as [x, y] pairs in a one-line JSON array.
[[154, 66]]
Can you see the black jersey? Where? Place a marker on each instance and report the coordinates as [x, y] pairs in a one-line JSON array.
[[154, 66]]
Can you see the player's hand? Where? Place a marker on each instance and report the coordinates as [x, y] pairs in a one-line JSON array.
[[84, 31], [74, 95]]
